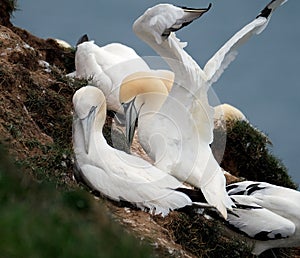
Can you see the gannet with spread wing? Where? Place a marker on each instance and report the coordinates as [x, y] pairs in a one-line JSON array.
[[176, 129]]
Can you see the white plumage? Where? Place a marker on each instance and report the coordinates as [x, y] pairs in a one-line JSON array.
[[268, 214], [177, 136], [114, 173], [105, 67]]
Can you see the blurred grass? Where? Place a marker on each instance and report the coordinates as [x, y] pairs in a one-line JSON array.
[[37, 220]]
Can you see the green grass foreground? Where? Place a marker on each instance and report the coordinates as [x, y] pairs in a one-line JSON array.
[[37, 220]]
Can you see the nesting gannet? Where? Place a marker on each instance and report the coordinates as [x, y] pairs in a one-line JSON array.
[[176, 130], [114, 173], [226, 112], [268, 214], [105, 67], [62, 43]]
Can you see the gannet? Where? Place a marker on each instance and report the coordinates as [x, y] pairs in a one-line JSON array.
[[114, 173], [172, 136], [266, 213], [177, 137], [105, 67], [226, 112], [62, 43]]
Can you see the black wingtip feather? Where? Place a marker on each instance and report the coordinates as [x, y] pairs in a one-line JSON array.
[[266, 11], [196, 9]]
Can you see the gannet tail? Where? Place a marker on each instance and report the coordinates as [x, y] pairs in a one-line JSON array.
[[171, 200], [215, 194]]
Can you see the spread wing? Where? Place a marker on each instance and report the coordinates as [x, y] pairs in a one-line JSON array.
[[227, 53]]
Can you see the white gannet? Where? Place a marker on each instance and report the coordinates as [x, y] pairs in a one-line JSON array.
[[114, 173], [268, 214], [105, 67], [172, 136], [226, 112], [177, 137]]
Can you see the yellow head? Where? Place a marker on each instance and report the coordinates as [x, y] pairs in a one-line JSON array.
[[89, 107], [145, 82], [143, 92]]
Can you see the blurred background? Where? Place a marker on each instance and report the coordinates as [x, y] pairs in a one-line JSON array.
[[262, 81]]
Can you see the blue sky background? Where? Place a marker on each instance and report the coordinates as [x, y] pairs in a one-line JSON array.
[[262, 82]]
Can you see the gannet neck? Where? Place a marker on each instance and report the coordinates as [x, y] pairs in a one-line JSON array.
[[156, 27], [148, 92], [150, 104], [97, 126], [185, 68], [90, 112]]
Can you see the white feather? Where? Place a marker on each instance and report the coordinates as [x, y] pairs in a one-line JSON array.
[[184, 122]]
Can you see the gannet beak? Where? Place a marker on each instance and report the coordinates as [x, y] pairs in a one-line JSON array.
[[190, 14], [196, 12], [131, 116], [86, 124]]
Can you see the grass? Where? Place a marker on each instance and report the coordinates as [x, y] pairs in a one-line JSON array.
[[212, 238], [205, 238], [53, 164], [36, 220]]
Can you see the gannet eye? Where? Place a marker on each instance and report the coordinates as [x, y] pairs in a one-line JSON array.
[[125, 105], [92, 110], [129, 104]]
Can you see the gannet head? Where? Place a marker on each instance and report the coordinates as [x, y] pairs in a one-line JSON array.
[[141, 91], [226, 112], [159, 21], [89, 102], [166, 76]]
